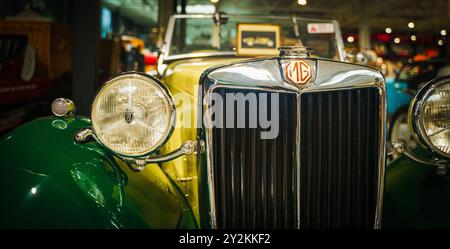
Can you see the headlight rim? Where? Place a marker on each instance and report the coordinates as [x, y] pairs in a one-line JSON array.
[[167, 96], [415, 114]]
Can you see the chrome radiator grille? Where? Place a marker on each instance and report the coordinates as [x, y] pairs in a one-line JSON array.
[[320, 171]]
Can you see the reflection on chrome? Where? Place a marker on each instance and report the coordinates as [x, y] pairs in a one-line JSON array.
[[347, 75], [253, 73]]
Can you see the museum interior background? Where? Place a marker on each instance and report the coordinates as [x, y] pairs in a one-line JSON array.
[[76, 45]]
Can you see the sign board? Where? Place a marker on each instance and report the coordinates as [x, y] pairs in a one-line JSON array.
[[257, 39], [320, 28]]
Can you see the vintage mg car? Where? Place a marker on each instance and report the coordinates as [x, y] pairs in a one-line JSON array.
[[232, 136]]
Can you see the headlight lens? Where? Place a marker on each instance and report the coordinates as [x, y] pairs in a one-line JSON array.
[[431, 111], [132, 114]]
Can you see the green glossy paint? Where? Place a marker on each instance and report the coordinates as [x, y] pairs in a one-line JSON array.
[[49, 181], [415, 196]]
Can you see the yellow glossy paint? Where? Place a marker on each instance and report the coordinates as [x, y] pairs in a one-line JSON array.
[[183, 77], [164, 202]]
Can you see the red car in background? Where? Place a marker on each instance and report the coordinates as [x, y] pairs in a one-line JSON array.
[[34, 58]]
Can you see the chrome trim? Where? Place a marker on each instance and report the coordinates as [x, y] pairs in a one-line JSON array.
[[293, 52], [167, 95], [70, 107], [415, 114], [165, 56], [330, 75], [334, 75], [400, 148], [84, 135], [297, 140], [380, 83], [210, 169], [187, 148], [259, 73]]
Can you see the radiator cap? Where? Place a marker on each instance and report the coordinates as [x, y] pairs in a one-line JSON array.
[[295, 52]]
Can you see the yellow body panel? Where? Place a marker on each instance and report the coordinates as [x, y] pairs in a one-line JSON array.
[[182, 77], [148, 204], [185, 74]]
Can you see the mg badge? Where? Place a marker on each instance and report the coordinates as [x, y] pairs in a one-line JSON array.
[[129, 116], [299, 72]]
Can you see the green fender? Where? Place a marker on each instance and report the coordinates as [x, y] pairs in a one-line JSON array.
[[415, 196], [49, 181]]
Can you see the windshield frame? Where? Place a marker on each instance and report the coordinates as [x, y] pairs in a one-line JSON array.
[[165, 56]]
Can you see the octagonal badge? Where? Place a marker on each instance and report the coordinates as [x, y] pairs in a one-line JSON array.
[[299, 72]]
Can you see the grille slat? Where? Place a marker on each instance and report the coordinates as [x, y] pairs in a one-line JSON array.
[[263, 186], [273, 201], [331, 180], [234, 178]]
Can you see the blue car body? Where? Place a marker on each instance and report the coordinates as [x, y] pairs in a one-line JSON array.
[[397, 98]]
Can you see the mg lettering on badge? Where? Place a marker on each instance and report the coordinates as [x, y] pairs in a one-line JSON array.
[[299, 72]]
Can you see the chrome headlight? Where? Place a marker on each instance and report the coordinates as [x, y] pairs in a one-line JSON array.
[[430, 116], [133, 114]]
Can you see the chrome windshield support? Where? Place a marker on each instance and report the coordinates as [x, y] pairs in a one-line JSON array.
[[296, 28]]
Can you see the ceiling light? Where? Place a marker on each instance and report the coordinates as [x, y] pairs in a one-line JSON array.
[[214, 1], [388, 30], [350, 39], [411, 25], [302, 2], [397, 40], [443, 32], [413, 38], [440, 42]]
